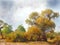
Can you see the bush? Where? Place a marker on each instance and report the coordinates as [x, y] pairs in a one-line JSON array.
[[16, 36], [33, 33]]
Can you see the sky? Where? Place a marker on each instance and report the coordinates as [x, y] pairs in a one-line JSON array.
[[15, 12]]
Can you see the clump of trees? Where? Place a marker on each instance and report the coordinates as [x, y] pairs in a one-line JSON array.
[[41, 28], [18, 35]]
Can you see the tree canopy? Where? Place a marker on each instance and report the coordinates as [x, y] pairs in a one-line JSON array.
[[44, 20], [21, 28]]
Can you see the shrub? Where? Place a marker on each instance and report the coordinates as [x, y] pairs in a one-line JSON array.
[[33, 33], [16, 36]]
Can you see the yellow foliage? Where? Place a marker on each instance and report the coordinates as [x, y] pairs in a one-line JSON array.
[[51, 40], [39, 20], [58, 37], [11, 37], [33, 15], [28, 21], [47, 11], [34, 29], [45, 21], [55, 39], [33, 32], [15, 36]]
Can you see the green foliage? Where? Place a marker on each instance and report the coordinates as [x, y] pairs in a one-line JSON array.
[[16, 36], [7, 29], [28, 21], [20, 36], [21, 28], [3, 25], [51, 35], [33, 15]]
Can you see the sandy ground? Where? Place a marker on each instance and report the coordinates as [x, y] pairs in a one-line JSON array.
[[25, 43]]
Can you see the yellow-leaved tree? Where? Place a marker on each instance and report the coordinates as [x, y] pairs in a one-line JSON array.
[[43, 21], [33, 33]]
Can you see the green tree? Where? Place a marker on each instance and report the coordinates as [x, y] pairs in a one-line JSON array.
[[17, 36], [21, 28], [2, 23], [20, 36], [7, 29]]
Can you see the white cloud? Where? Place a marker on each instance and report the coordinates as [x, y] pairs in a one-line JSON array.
[[20, 10], [24, 8], [31, 3]]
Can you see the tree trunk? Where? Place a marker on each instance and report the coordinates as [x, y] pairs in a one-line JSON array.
[[44, 36], [1, 33]]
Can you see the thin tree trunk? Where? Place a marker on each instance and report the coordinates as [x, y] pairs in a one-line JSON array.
[[1, 33]]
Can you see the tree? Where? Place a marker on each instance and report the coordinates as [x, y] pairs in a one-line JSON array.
[[45, 24], [20, 36], [43, 21], [6, 30], [32, 17], [21, 28], [2, 23], [33, 33], [51, 34], [16, 36], [49, 14]]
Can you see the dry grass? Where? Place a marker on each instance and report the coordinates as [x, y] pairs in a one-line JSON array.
[[24, 43]]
